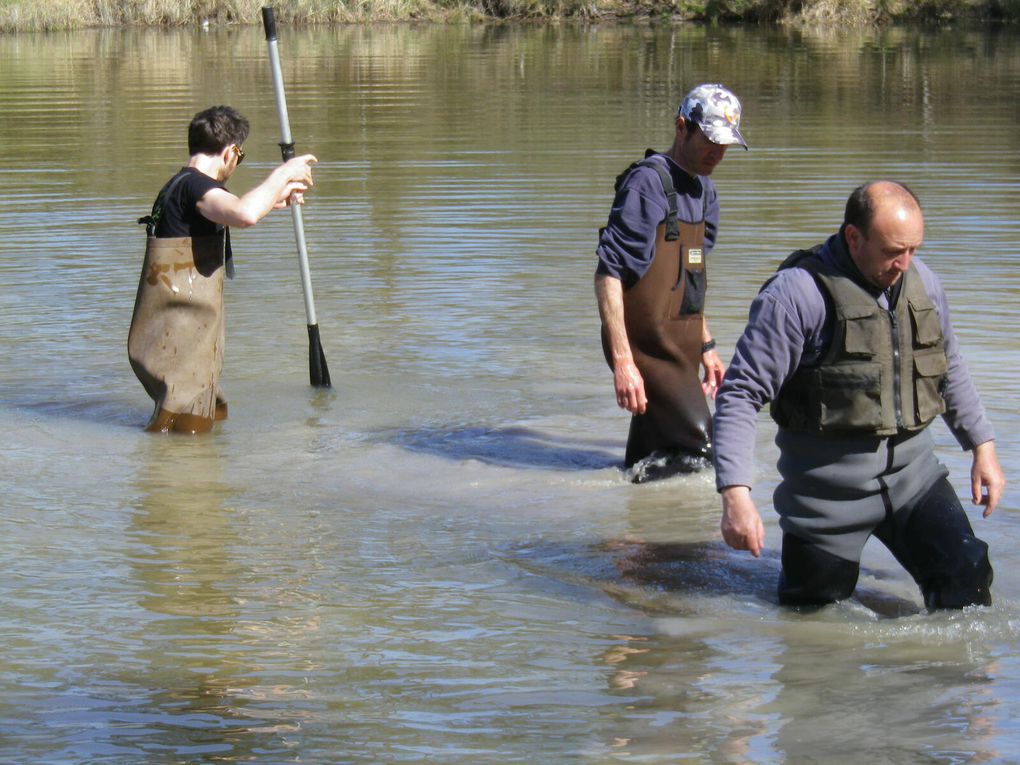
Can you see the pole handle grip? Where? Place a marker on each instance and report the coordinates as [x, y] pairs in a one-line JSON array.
[[269, 21]]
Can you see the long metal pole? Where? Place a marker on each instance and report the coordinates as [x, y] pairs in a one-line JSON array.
[[318, 371]]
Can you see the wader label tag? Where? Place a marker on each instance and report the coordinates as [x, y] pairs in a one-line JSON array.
[[694, 255]]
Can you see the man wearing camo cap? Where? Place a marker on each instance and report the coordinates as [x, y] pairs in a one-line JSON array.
[[650, 285]]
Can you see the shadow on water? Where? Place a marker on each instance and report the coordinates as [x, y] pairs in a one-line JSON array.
[[652, 576], [671, 578], [105, 409], [530, 448], [510, 447], [98, 408]]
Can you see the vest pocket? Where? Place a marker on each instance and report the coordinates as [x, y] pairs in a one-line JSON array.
[[927, 328], [930, 373], [860, 329], [693, 301], [850, 396]]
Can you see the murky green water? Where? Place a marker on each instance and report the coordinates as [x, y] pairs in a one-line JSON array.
[[439, 560]]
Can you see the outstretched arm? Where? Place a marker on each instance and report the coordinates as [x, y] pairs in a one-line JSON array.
[[292, 177], [627, 380], [782, 322]]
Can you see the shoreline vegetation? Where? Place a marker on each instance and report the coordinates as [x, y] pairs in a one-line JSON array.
[[48, 15]]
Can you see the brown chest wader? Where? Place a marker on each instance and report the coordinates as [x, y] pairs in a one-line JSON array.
[[664, 315], [177, 333]]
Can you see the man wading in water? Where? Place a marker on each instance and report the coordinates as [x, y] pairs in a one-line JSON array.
[[650, 285], [852, 344], [175, 343]]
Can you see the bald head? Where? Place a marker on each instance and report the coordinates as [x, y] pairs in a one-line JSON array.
[[866, 200], [883, 227]]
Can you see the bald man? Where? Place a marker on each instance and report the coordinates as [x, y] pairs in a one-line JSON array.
[[851, 344]]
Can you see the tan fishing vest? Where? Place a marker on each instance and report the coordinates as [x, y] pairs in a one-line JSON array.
[[884, 371]]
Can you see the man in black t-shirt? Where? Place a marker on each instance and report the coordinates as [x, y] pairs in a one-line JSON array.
[[176, 339]]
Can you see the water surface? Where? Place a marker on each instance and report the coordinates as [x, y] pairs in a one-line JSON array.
[[440, 560]]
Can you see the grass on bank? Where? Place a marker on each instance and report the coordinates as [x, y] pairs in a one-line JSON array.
[[34, 15]]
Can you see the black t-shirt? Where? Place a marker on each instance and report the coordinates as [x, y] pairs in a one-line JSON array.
[[180, 216]]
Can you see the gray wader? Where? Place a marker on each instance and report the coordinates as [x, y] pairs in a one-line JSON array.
[[177, 333]]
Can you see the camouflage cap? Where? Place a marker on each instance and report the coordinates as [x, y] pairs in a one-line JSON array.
[[716, 111]]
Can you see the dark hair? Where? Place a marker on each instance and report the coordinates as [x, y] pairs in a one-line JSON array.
[[860, 207], [690, 126], [216, 128]]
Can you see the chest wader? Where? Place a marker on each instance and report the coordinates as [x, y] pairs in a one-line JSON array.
[[664, 316], [177, 333]]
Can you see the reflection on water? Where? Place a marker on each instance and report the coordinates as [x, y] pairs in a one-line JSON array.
[[440, 559], [190, 655]]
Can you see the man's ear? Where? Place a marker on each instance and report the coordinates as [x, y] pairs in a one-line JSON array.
[[854, 236]]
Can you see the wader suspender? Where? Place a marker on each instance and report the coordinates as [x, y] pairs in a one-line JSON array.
[[151, 220], [671, 233], [667, 186]]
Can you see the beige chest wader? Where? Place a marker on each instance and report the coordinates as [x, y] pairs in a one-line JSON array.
[[664, 315], [177, 332]]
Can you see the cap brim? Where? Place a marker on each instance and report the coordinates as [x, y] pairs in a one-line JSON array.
[[724, 135]]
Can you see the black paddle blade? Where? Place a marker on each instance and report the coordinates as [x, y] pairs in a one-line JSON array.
[[317, 369]]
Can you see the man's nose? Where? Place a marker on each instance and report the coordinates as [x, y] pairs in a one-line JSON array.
[[902, 263]]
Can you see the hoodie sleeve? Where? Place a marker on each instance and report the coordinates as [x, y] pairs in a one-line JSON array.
[[965, 415], [627, 242], [785, 325]]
